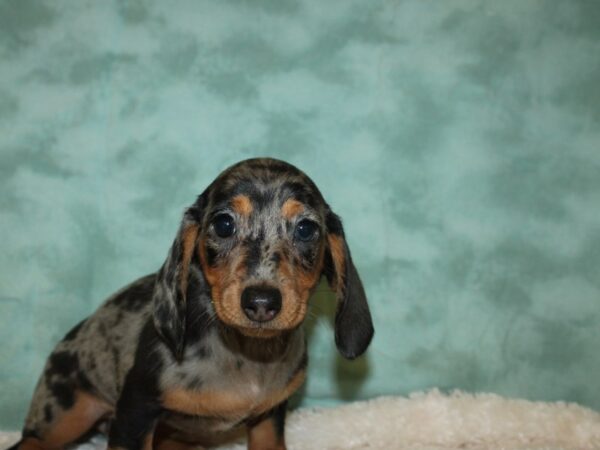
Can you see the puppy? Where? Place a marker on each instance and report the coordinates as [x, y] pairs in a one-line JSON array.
[[213, 341]]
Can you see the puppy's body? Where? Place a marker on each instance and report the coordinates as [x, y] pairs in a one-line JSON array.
[[212, 342]]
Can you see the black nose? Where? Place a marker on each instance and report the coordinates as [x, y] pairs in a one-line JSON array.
[[261, 304]]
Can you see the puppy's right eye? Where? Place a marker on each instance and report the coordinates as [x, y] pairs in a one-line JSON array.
[[224, 225], [306, 230]]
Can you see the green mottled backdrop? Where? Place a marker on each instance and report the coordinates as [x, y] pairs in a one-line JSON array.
[[459, 140]]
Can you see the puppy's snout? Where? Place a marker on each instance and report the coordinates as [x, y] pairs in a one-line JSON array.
[[261, 304]]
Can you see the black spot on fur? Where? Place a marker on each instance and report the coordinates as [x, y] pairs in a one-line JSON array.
[[64, 394], [133, 297], [203, 352], [63, 364], [308, 253], [239, 364], [63, 376], [73, 333], [136, 296], [84, 382], [211, 255], [28, 432], [276, 258], [48, 416]]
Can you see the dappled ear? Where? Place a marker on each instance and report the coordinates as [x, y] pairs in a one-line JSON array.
[[353, 324], [170, 288]]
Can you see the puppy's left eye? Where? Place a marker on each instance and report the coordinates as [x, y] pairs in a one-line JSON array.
[[224, 225], [306, 230]]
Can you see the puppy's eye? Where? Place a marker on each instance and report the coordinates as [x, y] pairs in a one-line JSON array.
[[306, 230], [224, 225]]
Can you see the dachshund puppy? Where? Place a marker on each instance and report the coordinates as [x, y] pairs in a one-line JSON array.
[[213, 341]]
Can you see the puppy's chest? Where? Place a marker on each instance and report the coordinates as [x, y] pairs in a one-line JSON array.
[[229, 386]]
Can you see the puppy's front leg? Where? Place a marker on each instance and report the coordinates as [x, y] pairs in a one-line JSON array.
[[136, 416], [266, 432]]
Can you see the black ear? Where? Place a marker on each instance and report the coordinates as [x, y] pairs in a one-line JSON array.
[[170, 288], [353, 324]]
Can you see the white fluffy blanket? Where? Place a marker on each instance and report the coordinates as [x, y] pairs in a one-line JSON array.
[[433, 421]]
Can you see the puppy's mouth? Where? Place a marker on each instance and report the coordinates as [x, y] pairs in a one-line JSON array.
[[261, 332]]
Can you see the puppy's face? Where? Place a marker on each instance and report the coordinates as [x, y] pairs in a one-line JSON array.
[[262, 235], [261, 246]]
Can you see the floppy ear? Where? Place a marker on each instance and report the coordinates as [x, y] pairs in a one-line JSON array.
[[353, 324], [170, 288]]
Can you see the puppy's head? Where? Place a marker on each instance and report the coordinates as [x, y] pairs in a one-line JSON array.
[[262, 235]]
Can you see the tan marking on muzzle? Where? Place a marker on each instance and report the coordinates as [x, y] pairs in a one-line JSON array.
[[295, 288], [225, 285]]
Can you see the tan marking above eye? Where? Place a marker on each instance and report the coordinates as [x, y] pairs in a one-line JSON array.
[[242, 205], [291, 208]]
